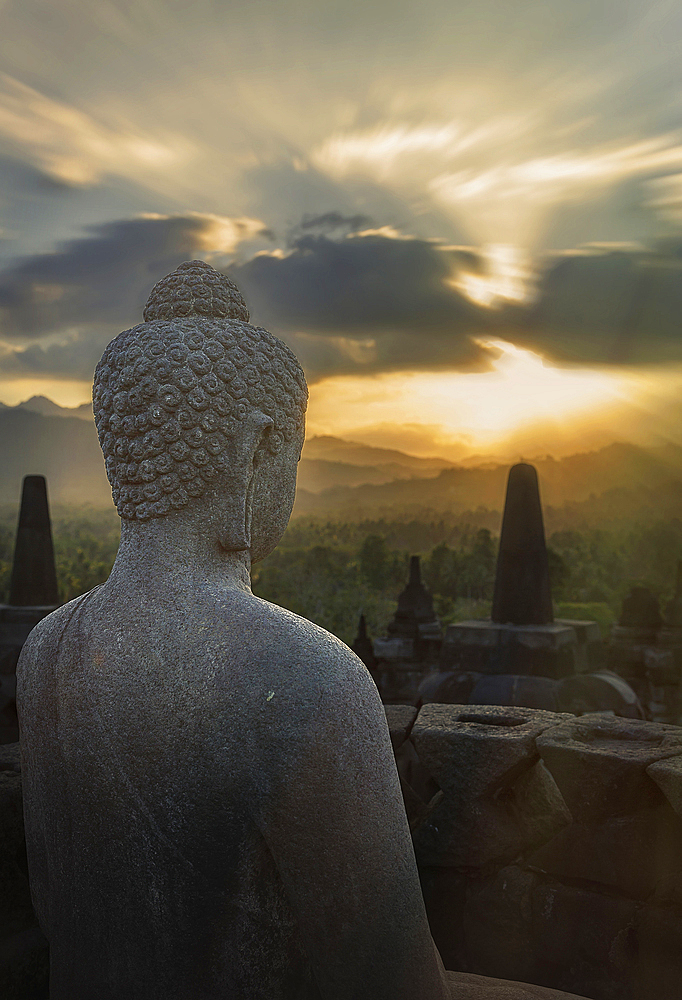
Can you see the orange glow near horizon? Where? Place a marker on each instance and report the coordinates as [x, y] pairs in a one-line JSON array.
[[470, 411], [61, 392], [522, 405]]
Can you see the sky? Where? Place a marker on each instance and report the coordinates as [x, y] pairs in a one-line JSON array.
[[465, 219]]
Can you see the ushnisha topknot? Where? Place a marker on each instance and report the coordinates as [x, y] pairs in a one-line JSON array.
[[168, 394], [195, 289]]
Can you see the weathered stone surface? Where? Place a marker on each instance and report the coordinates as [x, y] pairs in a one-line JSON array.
[[668, 776], [522, 594], [465, 986], [598, 692], [496, 801], [630, 854], [400, 720], [658, 971], [538, 806], [497, 925], [490, 647], [444, 890], [584, 941], [474, 749], [515, 689], [600, 763], [447, 687]]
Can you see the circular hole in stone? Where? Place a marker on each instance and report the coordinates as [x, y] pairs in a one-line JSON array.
[[493, 720]]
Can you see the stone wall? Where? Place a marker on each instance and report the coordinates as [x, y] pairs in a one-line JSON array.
[[549, 848]]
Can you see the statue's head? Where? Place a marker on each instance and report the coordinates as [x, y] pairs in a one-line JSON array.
[[195, 402]]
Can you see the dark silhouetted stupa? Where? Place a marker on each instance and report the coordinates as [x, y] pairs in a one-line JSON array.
[[33, 593], [523, 594]]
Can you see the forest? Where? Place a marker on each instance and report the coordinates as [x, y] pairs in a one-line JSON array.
[[331, 571]]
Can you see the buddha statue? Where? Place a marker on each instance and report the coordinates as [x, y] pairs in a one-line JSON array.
[[211, 802]]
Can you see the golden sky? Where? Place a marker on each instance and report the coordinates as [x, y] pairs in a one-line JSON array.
[[466, 219]]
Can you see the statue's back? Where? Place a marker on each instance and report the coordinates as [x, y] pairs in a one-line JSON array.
[[149, 810]]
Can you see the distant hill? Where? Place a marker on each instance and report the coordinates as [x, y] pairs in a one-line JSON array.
[[569, 480], [64, 449], [333, 449], [46, 408], [346, 479], [315, 474]]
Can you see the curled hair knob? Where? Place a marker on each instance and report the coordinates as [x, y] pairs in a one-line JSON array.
[[195, 289]]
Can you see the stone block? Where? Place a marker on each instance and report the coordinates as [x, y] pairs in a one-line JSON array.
[[598, 692], [400, 720], [629, 854], [668, 776], [474, 749], [584, 942], [497, 801], [516, 689], [662, 666], [600, 762], [492, 648], [497, 925], [591, 650], [658, 971], [16, 910], [444, 890], [447, 687], [394, 649]]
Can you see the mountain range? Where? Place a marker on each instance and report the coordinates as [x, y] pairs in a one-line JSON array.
[[337, 478]]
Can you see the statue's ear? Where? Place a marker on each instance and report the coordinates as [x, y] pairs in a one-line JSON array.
[[242, 457]]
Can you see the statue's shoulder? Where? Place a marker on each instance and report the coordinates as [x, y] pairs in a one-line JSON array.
[[49, 632], [302, 650], [296, 635]]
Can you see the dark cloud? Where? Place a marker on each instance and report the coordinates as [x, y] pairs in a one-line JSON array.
[[330, 222], [350, 304], [391, 291], [359, 285], [613, 306], [101, 279], [346, 305], [74, 358]]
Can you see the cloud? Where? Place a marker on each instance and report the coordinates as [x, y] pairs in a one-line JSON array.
[[73, 357], [492, 176], [366, 302], [361, 303], [609, 305], [75, 149], [105, 277], [333, 222]]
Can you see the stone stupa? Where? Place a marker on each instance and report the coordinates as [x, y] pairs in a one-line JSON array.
[[522, 637]]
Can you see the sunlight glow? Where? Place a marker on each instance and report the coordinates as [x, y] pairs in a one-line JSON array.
[[480, 410], [506, 277]]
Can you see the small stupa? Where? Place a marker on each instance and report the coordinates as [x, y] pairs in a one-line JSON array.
[[523, 595], [412, 644], [362, 645], [415, 618]]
